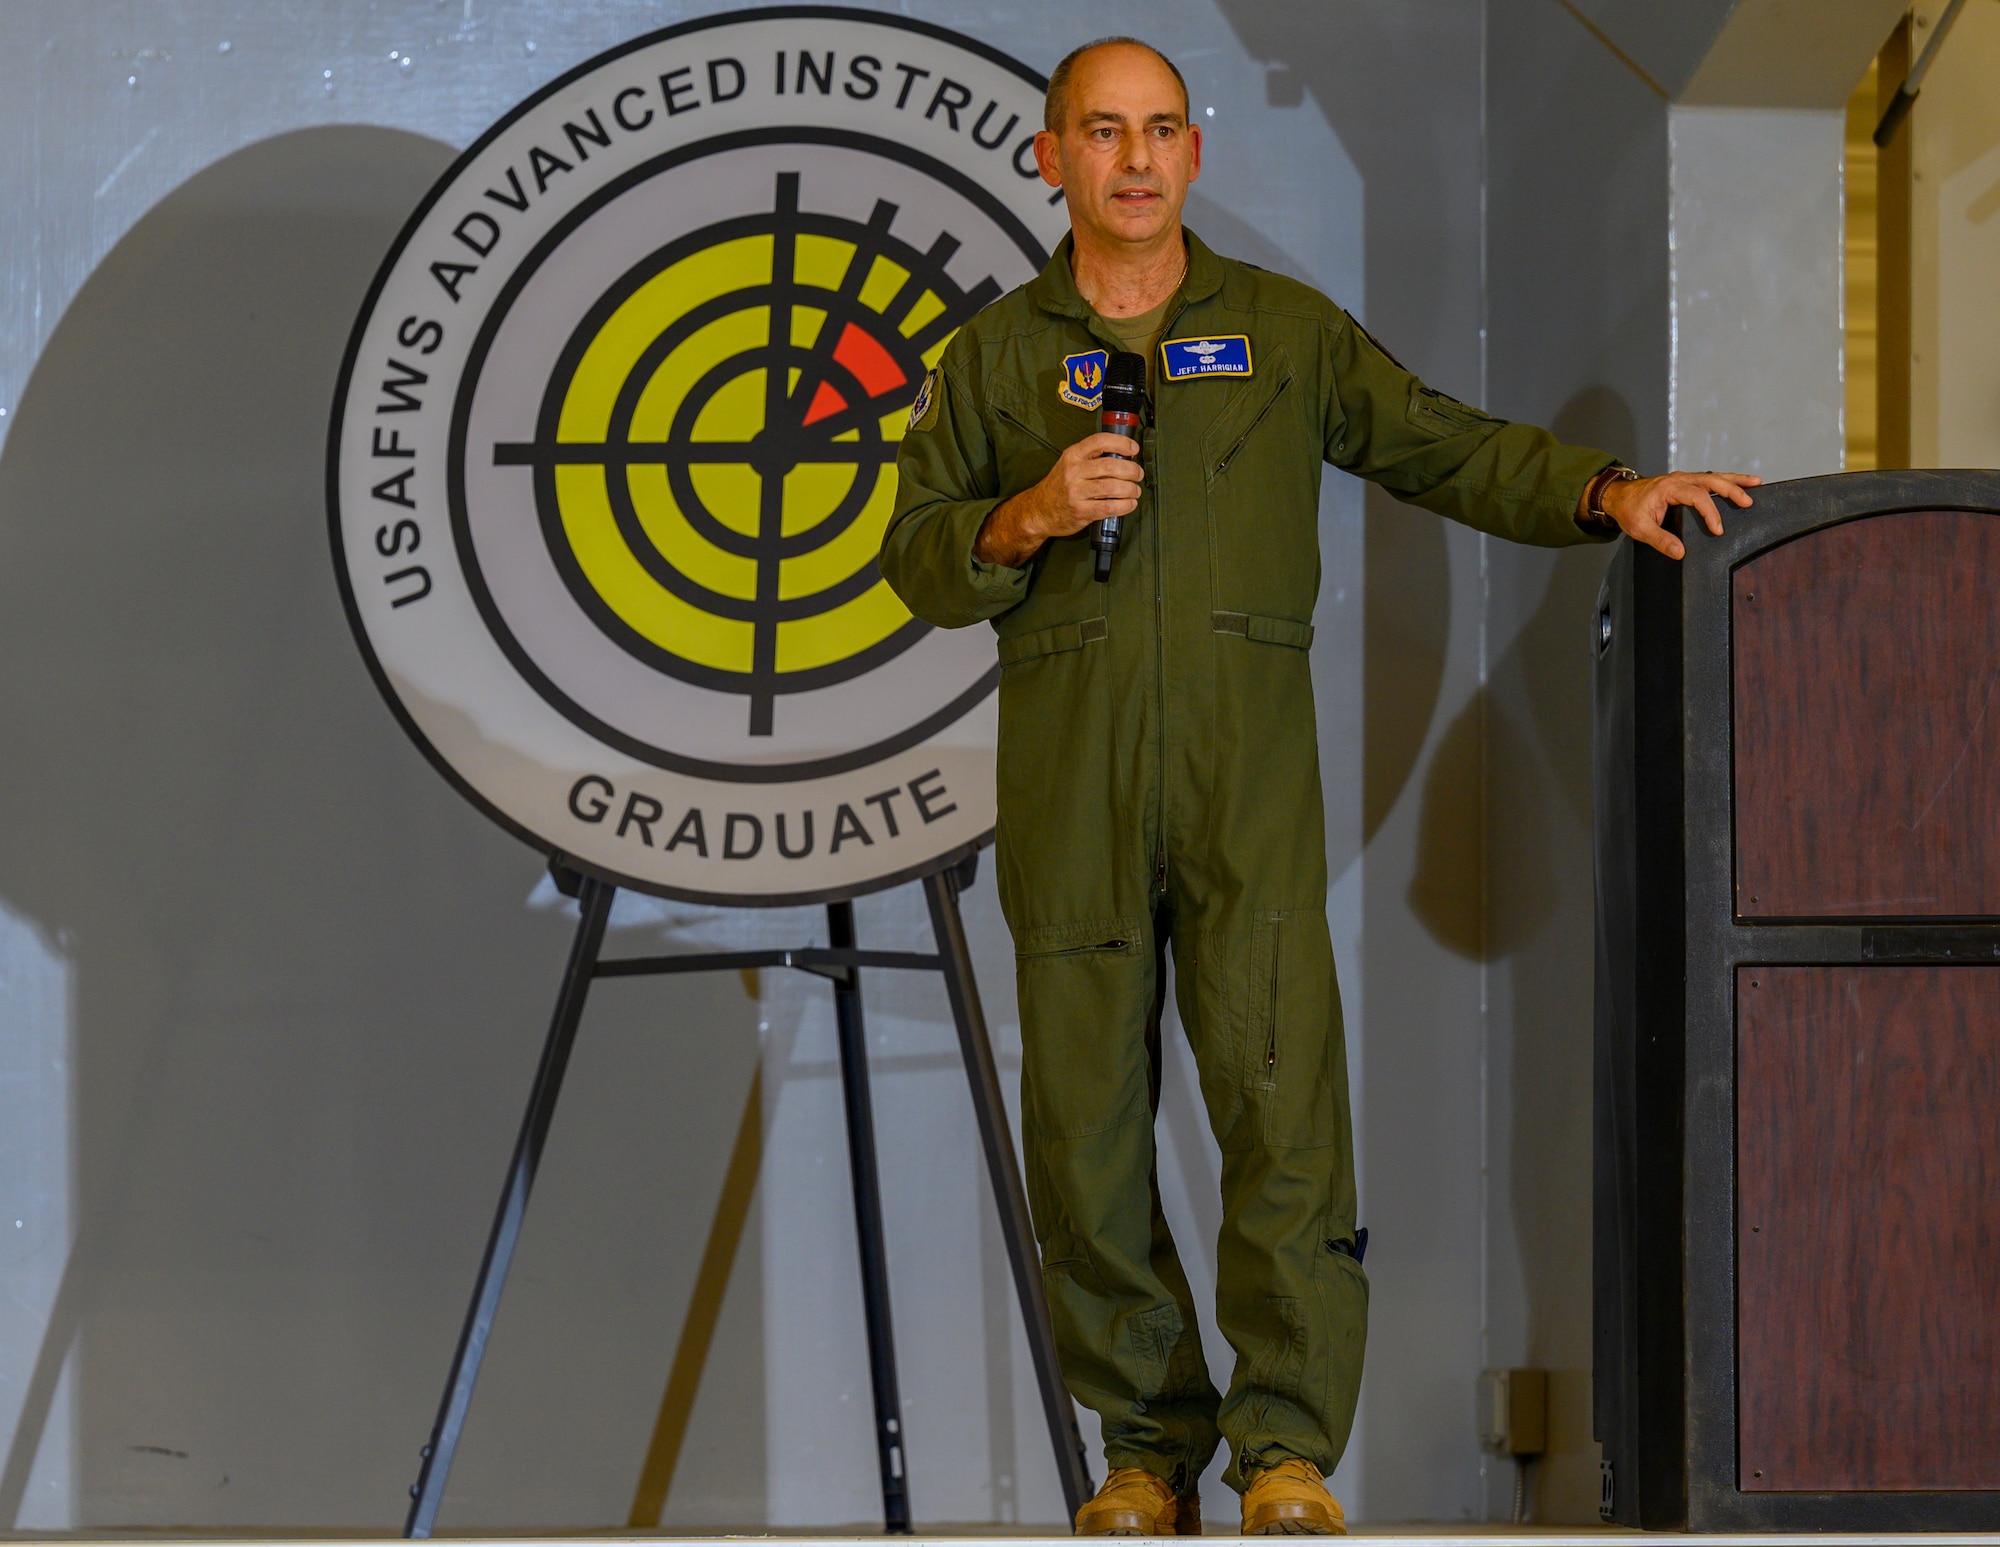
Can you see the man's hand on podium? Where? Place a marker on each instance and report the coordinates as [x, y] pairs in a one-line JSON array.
[[1639, 505]]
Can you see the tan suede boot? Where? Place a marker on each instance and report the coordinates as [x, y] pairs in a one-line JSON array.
[[1133, 1502], [1290, 1500]]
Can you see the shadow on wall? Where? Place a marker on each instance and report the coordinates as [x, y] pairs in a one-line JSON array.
[[308, 997], [1360, 66], [1378, 74], [1407, 630], [1546, 682], [1358, 69], [1514, 767], [1487, 791]]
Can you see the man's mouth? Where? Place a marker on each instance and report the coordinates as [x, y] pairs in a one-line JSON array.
[[1135, 196]]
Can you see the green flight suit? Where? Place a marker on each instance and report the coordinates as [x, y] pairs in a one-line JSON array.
[[1159, 783]]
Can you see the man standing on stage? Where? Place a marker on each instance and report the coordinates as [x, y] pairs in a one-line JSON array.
[[1159, 773]]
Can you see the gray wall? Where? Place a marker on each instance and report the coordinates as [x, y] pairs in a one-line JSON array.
[[270, 994], [1578, 266], [1664, 248]]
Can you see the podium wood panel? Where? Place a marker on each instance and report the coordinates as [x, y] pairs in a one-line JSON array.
[[1868, 1227], [1867, 738]]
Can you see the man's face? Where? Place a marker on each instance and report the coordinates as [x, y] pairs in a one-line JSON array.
[[1126, 153]]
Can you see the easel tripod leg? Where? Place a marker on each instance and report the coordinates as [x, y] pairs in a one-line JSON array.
[[868, 1229], [427, 1493], [1009, 1196]]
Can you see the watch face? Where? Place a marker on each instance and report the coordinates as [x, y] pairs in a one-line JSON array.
[[615, 443]]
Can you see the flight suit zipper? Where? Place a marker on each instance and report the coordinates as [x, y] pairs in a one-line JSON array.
[[1160, 676], [1151, 488], [1158, 488]]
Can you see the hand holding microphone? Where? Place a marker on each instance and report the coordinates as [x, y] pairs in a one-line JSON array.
[[1095, 481], [1121, 413]]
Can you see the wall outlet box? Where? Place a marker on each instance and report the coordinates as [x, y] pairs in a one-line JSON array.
[[1514, 1411]]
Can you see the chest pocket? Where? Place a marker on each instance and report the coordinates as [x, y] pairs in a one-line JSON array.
[[1025, 441], [1261, 467], [1256, 400], [1028, 436]]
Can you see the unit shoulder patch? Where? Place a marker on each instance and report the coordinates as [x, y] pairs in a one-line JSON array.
[[924, 410], [1225, 354], [1082, 384]]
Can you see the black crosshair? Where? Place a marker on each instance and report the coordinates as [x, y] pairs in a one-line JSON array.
[[859, 368]]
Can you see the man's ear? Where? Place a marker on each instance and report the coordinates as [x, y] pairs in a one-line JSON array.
[[1194, 151], [1048, 157]]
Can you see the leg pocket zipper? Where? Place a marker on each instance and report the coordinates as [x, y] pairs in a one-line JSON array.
[[1074, 950], [1080, 937], [1271, 1038]]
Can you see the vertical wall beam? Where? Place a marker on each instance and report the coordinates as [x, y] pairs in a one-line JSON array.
[[1892, 260]]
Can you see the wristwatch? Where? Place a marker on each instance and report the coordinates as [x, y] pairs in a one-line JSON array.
[[1593, 499]]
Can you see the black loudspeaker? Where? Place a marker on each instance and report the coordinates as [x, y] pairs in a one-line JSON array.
[[1797, 771]]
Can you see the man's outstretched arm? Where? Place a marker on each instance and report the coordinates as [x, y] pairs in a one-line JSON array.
[[1513, 480]]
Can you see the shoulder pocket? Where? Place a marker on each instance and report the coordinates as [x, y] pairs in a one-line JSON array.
[[1052, 641], [1433, 410], [1235, 424]]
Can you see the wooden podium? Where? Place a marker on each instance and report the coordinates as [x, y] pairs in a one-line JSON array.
[[1797, 770]]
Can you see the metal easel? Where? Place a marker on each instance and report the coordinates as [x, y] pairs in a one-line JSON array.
[[840, 962]]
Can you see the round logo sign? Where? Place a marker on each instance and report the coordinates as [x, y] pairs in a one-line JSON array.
[[615, 446]]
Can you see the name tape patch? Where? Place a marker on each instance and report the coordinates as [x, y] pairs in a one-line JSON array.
[[1082, 385], [1227, 355]]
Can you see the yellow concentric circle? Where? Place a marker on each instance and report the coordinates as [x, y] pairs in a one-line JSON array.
[[715, 458]]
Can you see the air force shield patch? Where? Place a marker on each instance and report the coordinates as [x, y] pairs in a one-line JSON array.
[[1082, 385]]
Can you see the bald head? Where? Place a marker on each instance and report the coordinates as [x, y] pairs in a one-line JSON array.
[[1059, 105]]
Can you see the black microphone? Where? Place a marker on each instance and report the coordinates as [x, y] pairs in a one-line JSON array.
[[1123, 406]]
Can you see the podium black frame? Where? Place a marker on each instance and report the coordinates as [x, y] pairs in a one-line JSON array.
[[1668, 946], [840, 962]]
